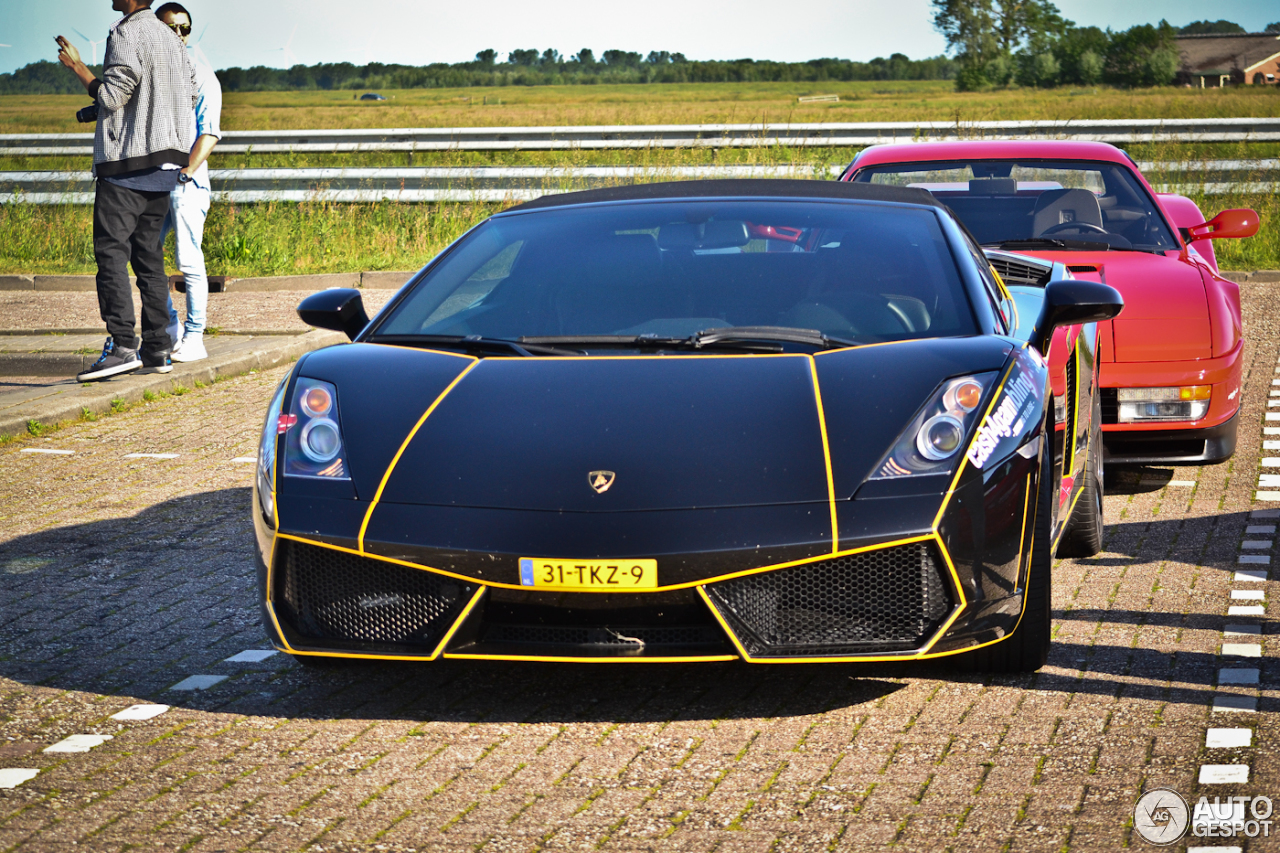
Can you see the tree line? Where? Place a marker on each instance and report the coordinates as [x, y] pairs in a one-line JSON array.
[[526, 67], [1000, 43]]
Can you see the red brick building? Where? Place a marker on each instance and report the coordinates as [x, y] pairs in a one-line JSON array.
[[1239, 58]]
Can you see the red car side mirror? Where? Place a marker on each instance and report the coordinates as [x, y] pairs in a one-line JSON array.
[[1240, 222]]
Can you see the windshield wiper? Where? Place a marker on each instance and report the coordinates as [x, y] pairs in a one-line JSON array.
[[1044, 242], [475, 344], [785, 334], [749, 338]]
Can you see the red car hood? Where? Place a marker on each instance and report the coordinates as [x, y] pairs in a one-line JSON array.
[[1166, 311]]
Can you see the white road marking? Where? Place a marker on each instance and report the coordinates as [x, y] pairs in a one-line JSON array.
[[1271, 445], [1234, 703], [1241, 650], [1268, 480], [1256, 544], [1265, 513], [1271, 430], [1273, 416], [1224, 774], [1271, 462], [1228, 738], [1186, 483], [151, 456], [12, 777], [1254, 559], [48, 451], [1267, 496], [245, 459], [198, 682], [1246, 610], [1238, 676], [1215, 850], [1260, 528], [1275, 392], [140, 712], [1248, 595], [1273, 403], [78, 743], [1251, 576], [1242, 631], [252, 656]]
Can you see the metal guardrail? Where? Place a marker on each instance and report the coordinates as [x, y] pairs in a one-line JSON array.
[[513, 184], [814, 135]]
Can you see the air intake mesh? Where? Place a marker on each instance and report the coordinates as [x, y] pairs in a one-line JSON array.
[[887, 600], [330, 595], [1015, 272]]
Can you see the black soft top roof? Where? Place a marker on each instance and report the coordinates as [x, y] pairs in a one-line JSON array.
[[744, 187]]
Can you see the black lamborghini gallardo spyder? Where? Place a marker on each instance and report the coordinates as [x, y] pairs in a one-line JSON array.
[[775, 421]]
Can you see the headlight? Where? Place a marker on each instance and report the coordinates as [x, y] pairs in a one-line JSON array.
[[933, 441], [271, 430], [1185, 403], [313, 443]]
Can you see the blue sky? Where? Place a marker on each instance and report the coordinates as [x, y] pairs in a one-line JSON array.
[[254, 32]]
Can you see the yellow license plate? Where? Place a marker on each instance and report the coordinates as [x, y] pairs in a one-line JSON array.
[[545, 573]]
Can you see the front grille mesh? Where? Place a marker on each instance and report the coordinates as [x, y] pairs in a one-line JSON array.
[[1110, 399], [887, 600], [1016, 272], [331, 595]]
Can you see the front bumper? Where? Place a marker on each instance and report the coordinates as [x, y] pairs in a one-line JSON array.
[[1210, 439]]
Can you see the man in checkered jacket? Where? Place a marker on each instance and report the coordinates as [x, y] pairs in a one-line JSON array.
[[144, 136]]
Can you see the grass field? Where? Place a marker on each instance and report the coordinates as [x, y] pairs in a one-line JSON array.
[[278, 239], [692, 103]]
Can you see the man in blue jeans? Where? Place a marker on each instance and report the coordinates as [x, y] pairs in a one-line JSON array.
[[189, 201]]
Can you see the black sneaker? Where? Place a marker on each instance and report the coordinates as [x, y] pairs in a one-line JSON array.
[[113, 361], [156, 361]]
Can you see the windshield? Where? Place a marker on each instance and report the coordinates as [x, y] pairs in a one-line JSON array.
[[856, 271], [1004, 201]]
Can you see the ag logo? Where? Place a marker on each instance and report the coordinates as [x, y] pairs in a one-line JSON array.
[[1161, 816], [601, 480]]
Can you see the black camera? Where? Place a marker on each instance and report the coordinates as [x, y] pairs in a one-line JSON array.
[[87, 115]]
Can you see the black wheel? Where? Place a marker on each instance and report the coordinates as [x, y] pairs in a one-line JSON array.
[[1083, 536], [1027, 649]]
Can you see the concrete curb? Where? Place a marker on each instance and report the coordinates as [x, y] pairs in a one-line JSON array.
[[70, 401], [1257, 276], [381, 280]]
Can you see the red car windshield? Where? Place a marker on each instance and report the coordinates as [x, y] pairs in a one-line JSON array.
[[1082, 205]]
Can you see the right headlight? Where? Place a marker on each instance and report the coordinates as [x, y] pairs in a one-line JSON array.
[[933, 442]]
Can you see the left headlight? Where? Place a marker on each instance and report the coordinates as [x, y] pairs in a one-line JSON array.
[[935, 439], [313, 433]]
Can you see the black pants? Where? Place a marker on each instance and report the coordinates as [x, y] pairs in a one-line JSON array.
[[126, 229]]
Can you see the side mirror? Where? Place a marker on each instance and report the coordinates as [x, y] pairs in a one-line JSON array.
[[1240, 222], [340, 309], [1070, 302]]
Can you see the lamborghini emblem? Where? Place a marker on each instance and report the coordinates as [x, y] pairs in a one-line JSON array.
[[601, 480]]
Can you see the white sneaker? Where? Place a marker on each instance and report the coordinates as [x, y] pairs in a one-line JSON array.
[[190, 349], [175, 331]]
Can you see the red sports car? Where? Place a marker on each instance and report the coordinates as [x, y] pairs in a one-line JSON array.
[[1170, 364]]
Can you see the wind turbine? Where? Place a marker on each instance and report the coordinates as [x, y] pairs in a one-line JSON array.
[[289, 57], [93, 44]]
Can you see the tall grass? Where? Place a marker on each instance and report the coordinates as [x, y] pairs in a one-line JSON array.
[[686, 103]]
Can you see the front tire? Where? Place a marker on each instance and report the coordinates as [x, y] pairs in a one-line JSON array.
[[1083, 536], [1027, 648]]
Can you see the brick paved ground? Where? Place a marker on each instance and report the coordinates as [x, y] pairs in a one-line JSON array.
[[120, 578]]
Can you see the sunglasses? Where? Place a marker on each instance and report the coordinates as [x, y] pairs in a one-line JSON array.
[[183, 30]]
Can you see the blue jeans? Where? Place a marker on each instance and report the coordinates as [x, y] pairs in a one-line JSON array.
[[188, 207]]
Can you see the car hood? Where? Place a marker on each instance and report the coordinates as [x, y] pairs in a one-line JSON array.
[[675, 432], [1166, 311]]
